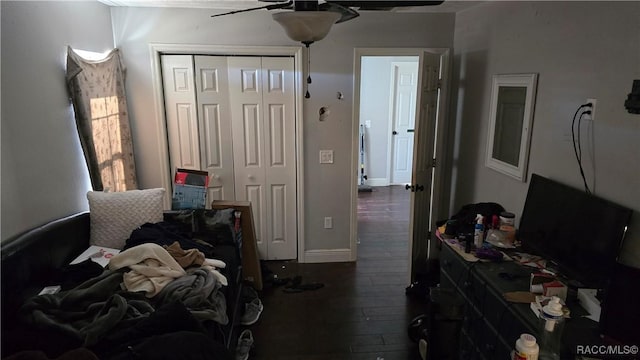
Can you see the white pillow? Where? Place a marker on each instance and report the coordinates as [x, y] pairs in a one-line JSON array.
[[114, 215]]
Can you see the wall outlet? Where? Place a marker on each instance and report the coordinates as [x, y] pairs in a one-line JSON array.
[[591, 116], [328, 222]]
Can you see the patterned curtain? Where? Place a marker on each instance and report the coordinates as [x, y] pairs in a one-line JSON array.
[[97, 92]]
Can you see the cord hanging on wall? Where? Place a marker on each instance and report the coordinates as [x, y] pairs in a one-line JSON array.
[[577, 147], [307, 43]]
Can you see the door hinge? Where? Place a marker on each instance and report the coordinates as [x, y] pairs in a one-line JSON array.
[[433, 162], [439, 83], [429, 235]]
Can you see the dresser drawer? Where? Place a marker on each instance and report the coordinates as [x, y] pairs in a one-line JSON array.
[[468, 349], [491, 343], [459, 271]]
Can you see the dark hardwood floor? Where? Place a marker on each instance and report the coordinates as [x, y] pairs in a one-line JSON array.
[[362, 311]]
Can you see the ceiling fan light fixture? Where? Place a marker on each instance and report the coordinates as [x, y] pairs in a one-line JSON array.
[[306, 26]]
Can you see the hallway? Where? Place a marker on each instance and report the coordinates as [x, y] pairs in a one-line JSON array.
[[362, 311]]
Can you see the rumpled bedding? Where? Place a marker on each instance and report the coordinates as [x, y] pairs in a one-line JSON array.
[[151, 268], [88, 311], [137, 281], [198, 291]]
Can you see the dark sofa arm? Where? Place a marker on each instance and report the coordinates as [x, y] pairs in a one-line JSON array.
[[30, 259]]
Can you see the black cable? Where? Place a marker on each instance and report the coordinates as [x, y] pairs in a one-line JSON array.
[[578, 149], [584, 180]]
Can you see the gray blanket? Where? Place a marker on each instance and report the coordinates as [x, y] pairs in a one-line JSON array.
[[88, 311], [200, 292]]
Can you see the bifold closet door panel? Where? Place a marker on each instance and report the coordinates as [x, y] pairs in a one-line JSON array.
[[245, 93], [181, 114], [214, 121], [279, 134], [263, 125]]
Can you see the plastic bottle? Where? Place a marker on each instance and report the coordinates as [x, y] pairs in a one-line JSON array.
[[526, 348], [507, 225], [552, 322], [478, 233]]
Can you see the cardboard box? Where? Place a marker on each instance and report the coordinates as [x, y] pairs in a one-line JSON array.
[[250, 259], [537, 281], [555, 288], [189, 189]]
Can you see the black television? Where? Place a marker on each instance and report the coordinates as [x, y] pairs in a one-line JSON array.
[[580, 234]]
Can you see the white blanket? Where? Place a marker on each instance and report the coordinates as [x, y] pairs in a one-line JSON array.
[[152, 268]]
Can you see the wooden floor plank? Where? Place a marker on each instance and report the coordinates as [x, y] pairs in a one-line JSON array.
[[362, 311]]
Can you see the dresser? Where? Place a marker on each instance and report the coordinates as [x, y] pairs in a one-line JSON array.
[[491, 325]]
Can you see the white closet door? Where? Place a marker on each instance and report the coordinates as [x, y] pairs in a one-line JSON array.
[[180, 106], [261, 94], [216, 151], [279, 134]]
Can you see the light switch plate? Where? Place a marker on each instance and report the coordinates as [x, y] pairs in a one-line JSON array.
[[326, 156]]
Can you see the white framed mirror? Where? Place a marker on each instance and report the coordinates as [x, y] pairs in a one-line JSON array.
[[510, 119]]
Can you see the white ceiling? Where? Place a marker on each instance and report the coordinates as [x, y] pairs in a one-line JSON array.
[[448, 6]]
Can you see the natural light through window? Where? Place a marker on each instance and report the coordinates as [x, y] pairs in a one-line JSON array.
[[105, 119], [92, 55]]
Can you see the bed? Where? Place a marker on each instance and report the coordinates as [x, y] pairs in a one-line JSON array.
[[192, 316]]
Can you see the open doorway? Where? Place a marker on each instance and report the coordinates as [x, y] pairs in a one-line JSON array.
[[388, 89], [404, 206]]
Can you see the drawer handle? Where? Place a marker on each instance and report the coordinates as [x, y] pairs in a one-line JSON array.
[[446, 263], [467, 284], [490, 347]]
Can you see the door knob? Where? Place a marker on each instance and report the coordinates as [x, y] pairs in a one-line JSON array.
[[250, 177], [409, 187], [394, 132], [419, 187]]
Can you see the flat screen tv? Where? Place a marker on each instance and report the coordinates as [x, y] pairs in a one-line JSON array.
[[579, 233]]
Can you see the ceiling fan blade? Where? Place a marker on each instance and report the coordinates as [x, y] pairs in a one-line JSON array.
[[382, 4], [387, 3], [346, 13], [283, 5]]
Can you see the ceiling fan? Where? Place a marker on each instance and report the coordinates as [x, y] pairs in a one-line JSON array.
[[311, 20]]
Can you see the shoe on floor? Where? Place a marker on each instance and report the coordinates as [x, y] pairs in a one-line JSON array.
[[245, 341], [252, 311], [422, 348]]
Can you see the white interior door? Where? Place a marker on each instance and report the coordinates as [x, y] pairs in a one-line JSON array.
[[248, 150], [403, 111], [263, 123], [181, 114], [216, 150], [279, 134], [423, 166]]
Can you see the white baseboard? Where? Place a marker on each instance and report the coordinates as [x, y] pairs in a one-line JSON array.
[[327, 256], [377, 182]]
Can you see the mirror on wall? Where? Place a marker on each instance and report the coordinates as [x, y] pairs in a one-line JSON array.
[[510, 119]]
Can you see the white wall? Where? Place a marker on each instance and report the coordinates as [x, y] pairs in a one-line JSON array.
[[44, 176], [580, 50], [327, 187], [375, 101]]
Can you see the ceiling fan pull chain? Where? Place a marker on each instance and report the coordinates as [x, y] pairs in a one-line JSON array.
[[307, 95], [309, 64]]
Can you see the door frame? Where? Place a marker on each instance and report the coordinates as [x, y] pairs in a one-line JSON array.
[[440, 201], [158, 49]]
